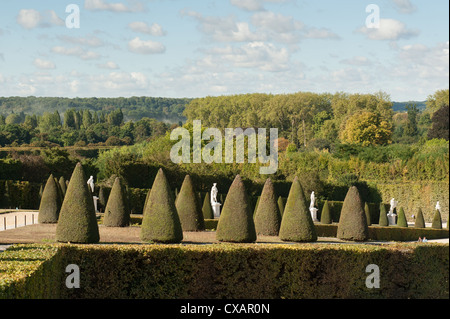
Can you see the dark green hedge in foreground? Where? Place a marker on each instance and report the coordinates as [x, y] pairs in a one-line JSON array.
[[244, 271]]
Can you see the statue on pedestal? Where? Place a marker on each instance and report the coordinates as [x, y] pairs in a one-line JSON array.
[[312, 209], [391, 215], [214, 203]]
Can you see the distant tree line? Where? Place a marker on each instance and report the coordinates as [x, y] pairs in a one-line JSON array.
[[76, 127]]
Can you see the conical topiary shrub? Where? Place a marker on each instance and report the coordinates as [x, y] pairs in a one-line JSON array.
[[236, 220], [207, 209], [188, 207], [256, 206], [267, 217], [161, 222], [102, 199], [325, 217], [420, 221], [297, 224], [77, 221], [117, 212], [352, 222], [368, 215], [50, 205], [281, 205], [437, 220], [63, 186], [401, 218], [383, 221]]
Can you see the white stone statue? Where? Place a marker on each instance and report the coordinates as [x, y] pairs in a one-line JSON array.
[[214, 203], [90, 182], [438, 206], [95, 203], [391, 215], [312, 209], [214, 192]]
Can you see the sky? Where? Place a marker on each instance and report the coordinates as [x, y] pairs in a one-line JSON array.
[[198, 48]]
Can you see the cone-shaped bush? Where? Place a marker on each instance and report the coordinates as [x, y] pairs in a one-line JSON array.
[[437, 220], [77, 221], [325, 217], [368, 215], [297, 224], [383, 222], [50, 205], [188, 207], [117, 212], [236, 220], [102, 201], [401, 218], [281, 205], [161, 222], [420, 221], [268, 216], [63, 186], [207, 209], [256, 206], [353, 223]]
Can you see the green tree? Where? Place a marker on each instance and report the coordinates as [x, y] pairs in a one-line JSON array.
[[87, 119], [236, 220], [437, 220], [420, 220], [50, 204], [411, 124], [77, 220], [268, 216], [439, 99], [325, 217], [297, 224], [352, 222], [117, 211], [188, 207], [206, 208], [383, 221], [401, 218], [161, 222]]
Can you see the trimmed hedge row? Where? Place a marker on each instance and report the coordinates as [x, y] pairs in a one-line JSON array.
[[313, 271]]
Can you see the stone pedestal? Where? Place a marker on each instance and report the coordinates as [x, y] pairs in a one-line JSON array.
[[95, 198], [392, 219], [313, 211], [216, 209]]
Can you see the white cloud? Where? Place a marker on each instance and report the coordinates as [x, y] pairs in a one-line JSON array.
[[253, 55], [77, 52], [30, 19], [90, 40], [253, 5], [357, 61], [101, 5], [44, 64], [145, 47], [404, 6], [108, 65], [155, 29], [389, 29]]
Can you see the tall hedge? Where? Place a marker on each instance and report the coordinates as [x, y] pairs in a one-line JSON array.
[[437, 220], [50, 205], [297, 224], [77, 221], [368, 215], [383, 222], [236, 220], [161, 222], [206, 208], [352, 223], [401, 218], [325, 217], [268, 216], [420, 221], [281, 204], [188, 207], [117, 211]]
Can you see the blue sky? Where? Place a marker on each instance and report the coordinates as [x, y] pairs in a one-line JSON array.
[[196, 48]]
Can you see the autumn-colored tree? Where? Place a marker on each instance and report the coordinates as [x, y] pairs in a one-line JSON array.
[[366, 129]]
